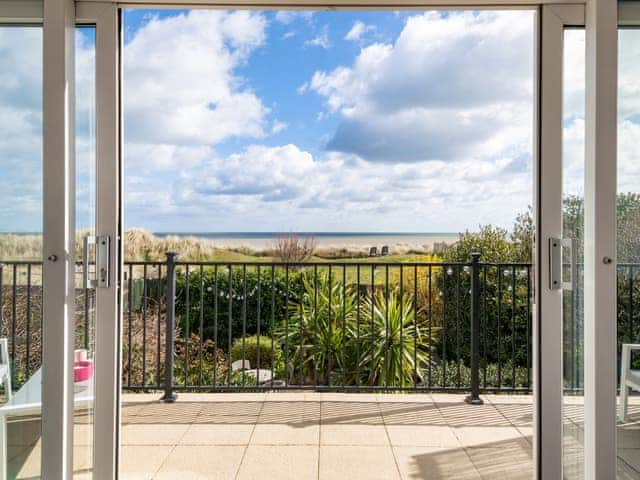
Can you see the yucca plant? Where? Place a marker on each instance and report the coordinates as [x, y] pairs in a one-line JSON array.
[[393, 346], [317, 339]]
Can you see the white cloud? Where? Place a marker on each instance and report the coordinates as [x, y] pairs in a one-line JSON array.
[[358, 29], [271, 187], [278, 126], [450, 87], [180, 82], [288, 16], [321, 39]]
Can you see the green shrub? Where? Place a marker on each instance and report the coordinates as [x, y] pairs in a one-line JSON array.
[[223, 296], [251, 347], [332, 339]]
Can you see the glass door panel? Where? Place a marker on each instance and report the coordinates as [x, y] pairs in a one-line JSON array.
[[20, 249], [573, 252], [85, 315], [628, 251]]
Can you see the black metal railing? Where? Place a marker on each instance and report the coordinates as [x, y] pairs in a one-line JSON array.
[[338, 325], [368, 325]]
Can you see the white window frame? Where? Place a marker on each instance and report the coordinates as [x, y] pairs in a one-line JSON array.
[[59, 20]]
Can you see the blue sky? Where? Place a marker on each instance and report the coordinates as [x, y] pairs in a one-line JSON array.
[[347, 121], [309, 121]]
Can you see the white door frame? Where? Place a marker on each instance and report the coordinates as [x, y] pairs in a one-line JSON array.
[[600, 292], [105, 17], [599, 18], [548, 381], [58, 271], [58, 19], [59, 197]]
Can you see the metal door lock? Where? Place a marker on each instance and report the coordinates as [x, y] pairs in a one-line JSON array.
[[607, 260], [102, 252], [52, 258]]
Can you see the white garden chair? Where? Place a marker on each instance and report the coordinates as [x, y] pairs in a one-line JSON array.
[[261, 375], [5, 368], [629, 378]]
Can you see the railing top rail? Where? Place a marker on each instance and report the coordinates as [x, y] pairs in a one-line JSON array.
[[20, 262], [317, 263], [328, 263]]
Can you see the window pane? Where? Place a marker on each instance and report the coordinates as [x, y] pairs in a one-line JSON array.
[[21, 240]]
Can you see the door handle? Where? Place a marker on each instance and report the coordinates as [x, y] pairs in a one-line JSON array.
[[101, 275], [557, 264]]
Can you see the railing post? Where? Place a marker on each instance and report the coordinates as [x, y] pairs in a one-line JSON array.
[[169, 396], [474, 397]]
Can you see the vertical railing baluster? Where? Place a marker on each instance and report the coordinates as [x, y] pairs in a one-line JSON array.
[[430, 339], [216, 346], [201, 328], [229, 322], [513, 325], [286, 325], [258, 305], [474, 397], [445, 273], [302, 352], [273, 322], [358, 325], [344, 321], [169, 396], [244, 321], [373, 332], [458, 353], [187, 324], [315, 325], [400, 347], [528, 273], [387, 366], [631, 336], [485, 324], [129, 317], [144, 325], [28, 320], [159, 325], [415, 326], [330, 328], [499, 320], [14, 319]]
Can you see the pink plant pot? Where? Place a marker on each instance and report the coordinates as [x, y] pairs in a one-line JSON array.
[[82, 371]]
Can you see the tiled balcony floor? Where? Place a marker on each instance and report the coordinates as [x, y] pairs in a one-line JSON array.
[[329, 436], [326, 436]]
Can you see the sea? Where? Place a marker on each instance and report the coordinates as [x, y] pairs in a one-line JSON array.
[[263, 240]]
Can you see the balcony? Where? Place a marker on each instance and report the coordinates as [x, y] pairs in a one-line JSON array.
[[306, 435], [272, 382]]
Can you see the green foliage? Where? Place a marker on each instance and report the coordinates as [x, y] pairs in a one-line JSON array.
[[258, 352], [316, 336], [493, 244], [393, 345], [337, 336], [628, 225], [504, 294], [449, 375], [198, 362], [221, 295]]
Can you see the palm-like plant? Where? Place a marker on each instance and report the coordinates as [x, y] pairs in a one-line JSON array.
[[317, 336], [394, 348]]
